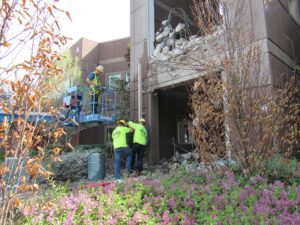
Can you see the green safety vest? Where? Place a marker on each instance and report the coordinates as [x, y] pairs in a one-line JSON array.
[[96, 82], [119, 137], [140, 133]]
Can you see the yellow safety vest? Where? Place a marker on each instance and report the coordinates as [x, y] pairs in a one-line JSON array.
[[93, 86]]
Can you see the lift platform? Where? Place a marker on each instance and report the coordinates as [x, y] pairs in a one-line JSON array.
[[78, 106]]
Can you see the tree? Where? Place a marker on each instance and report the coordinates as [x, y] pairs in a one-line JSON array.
[[71, 75], [123, 92], [127, 55], [237, 113], [30, 41]]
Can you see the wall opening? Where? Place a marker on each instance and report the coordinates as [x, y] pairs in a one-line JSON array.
[[174, 121]]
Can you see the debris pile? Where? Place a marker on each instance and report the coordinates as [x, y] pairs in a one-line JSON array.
[[188, 161], [172, 42]]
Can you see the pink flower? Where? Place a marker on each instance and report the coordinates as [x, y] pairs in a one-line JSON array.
[[172, 202], [166, 217], [69, 218]]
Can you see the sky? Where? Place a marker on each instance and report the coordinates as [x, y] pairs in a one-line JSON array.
[[97, 20]]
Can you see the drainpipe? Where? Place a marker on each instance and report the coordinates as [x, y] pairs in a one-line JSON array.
[[140, 106]]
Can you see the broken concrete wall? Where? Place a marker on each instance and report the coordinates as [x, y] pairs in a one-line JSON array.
[[173, 66]]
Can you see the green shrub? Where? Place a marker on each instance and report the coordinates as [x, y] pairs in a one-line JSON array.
[[73, 165], [2, 157], [279, 168]]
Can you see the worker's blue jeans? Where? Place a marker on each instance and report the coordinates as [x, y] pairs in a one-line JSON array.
[[119, 153]]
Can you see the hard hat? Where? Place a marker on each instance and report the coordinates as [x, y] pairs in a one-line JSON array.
[[100, 69], [122, 122], [142, 120]]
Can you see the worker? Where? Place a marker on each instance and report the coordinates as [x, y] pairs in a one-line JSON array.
[[93, 81], [71, 107], [121, 148], [140, 139]]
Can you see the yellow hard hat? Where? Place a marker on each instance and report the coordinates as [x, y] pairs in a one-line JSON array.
[[122, 122], [100, 69], [142, 120]]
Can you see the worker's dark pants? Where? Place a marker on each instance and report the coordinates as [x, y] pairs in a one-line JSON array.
[[94, 101], [138, 150]]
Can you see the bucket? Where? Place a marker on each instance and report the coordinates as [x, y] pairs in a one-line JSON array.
[[96, 166]]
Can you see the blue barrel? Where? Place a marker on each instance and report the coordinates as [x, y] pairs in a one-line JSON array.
[[96, 166]]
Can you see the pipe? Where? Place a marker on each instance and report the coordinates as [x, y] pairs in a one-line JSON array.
[[140, 103]]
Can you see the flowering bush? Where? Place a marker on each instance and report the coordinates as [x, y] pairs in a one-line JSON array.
[[222, 198]]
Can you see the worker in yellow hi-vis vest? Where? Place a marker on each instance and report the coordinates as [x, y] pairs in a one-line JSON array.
[[93, 81], [121, 148], [140, 139]]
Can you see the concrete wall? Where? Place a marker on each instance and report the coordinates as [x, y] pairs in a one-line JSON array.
[[141, 43], [283, 33], [140, 17]]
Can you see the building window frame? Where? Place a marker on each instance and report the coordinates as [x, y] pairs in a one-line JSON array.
[[184, 131], [112, 78], [127, 78]]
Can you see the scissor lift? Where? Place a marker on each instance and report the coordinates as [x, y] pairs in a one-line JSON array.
[[82, 112]]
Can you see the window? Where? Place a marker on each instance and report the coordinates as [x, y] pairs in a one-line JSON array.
[[112, 81], [184, 128], [127, 79]]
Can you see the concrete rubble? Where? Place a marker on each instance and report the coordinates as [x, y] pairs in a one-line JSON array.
[[168, 46], [188, 161]]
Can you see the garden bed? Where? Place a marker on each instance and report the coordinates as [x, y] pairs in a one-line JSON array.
[[179, 198]]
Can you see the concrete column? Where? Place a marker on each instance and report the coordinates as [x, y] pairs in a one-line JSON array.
[[153, 119]]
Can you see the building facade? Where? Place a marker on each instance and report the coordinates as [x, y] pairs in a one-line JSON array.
[[111, 55], [160, 91]]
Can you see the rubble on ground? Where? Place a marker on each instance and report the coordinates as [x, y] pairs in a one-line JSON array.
[[188, 161]]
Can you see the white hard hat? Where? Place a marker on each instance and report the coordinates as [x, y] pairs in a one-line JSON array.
[[142, 120], [122, 122], [100, 69]]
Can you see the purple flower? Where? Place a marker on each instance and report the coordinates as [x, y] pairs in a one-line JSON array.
[[69, 218], [166, 217], [172, 202], [287, 218], [113, 221], [262, 208], [188, 220], [278, 184], [189, 203]]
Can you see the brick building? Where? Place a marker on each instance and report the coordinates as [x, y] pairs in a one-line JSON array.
[[111, 55]]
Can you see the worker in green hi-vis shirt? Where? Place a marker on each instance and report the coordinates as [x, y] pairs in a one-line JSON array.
[[140, 139], [121, 148]]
